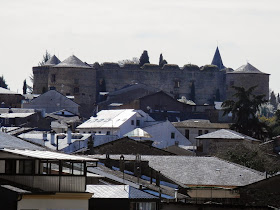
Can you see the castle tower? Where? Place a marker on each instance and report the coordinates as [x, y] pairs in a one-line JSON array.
[[217, 60], [247, 76], [41, 74]]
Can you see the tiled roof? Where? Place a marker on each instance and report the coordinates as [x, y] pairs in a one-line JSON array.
[[226, 134], [8, 141], [117, 191], [73, 62], [202, 171], [200, 124], [52, 61], [247, 68]]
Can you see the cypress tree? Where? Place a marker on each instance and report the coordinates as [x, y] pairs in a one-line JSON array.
[[144, 58]]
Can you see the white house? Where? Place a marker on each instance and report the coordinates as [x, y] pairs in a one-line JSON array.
[[116, 122]]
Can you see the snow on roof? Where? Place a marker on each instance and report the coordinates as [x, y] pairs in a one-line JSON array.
[[109, 119], [6, 91]]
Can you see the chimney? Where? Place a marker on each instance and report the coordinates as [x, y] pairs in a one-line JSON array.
[[44, 136], [176, 195], [69, 135], [52, 137]]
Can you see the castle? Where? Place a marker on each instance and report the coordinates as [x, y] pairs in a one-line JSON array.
[[204, 84]]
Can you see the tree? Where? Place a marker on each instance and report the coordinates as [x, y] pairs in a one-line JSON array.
[[134, 60], [46, 57], [162, 62], [244, 112], [3, 83], [192, 94], [144, 58], [24, 88], [272, 100]]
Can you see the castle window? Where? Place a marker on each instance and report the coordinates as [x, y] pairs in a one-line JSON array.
[[76, 90], [137, 122], [132, 122], [53, 78], [177, 84], [206, 131], [187, 133], [172, 135], [108, 133], [199, 132]]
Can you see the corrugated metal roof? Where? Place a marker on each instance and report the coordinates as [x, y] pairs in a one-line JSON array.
[[48, 155], [108, 119], [117, 191], [226, 134], [15, 115]]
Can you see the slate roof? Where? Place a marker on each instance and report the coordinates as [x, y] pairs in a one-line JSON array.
[[73, 62], [52, 61], [117, 191], [201, 171], [200, 124], [8, 141], [248, 69], [217, 60], [226, 134]]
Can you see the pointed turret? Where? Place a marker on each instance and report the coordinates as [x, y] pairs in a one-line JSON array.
[[52, 61], [217, 60]]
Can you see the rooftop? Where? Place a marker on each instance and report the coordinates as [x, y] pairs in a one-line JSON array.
[[73, 62], [226, 134], [7, 91], [52, 61], [247, 68], [200, 124], [202, 171], [109, 119], [48, 155], [117, 191], [11, 142]]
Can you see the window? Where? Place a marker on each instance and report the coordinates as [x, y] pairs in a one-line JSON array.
[[172, 135], [187, 133], [143, 206], [132, 122], [108, 133], [176, 84], [53, 79], [25, 167], [10, 166], [206, 131], [137, 122], [199, 132], [76, 90]]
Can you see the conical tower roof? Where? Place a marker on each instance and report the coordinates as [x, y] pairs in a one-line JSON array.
[[247, 68], [73, 62], [217, 60], [52, 61]]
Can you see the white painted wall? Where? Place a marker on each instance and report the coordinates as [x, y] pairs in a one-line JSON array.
[[161, 135]]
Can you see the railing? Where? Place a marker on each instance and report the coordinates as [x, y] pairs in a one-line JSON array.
[[50, 182]]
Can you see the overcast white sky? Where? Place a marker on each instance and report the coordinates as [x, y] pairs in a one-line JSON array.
[[185, 31]]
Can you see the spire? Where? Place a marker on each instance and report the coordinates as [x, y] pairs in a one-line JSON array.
[[52, 61], [217, 60]]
